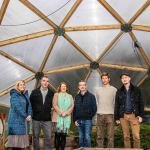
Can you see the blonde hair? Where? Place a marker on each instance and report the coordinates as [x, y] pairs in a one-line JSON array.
[[17, 84]]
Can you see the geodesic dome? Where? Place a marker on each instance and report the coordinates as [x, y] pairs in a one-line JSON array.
[[73, 40]]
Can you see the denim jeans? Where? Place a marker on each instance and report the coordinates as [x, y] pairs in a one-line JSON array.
[[84, 129], [46, 127]]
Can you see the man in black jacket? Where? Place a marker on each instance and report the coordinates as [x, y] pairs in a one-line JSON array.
[[41, 101], [84, 110], [129, 108]]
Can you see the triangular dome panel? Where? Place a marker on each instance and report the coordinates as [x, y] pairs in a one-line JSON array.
[[93, 42], [31, 52], [94, 81], [126, 9], [17, 14], [91, 12], [56, 11], [70, 77], [144, 18], [64, 54], [144, 39], [10, 75], [124, 53]]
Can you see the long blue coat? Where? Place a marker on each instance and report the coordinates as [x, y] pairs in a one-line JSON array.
[[17, 124]]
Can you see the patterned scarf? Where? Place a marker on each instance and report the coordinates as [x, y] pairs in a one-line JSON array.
[[63, 123]]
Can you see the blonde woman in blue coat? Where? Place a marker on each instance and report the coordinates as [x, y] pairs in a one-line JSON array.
[[19, 114]]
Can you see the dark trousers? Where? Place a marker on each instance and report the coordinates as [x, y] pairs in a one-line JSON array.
[[60, 141], [105, 122], [46, 127]]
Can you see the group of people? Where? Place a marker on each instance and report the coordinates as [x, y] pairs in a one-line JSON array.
[[53, 112]]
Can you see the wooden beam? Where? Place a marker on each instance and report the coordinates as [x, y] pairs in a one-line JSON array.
[[141, 50], [38, 12], [72, 10], [17, 61], [26, 37], [4, 92], [147, 109], [109, 46], [60, 70], [88, 75], [77, 47], [111, 11], [139, 12], [141, 81], [141, 28], [122, 67], [48, 53], [96, 27], [3, 9], [51, 31]]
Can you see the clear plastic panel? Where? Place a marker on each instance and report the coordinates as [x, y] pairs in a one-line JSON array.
[[91, 12], [5, 100], [16, 14], [71, 78], [144, 18], [31, 52], [11, 73], [136, 76], [124, 53], [93, 42], [64, 54], [56, 10], [94, 81], [30, 86], [127, 8], [144, 39]]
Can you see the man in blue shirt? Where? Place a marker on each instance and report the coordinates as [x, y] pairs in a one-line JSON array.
[[129, 108]]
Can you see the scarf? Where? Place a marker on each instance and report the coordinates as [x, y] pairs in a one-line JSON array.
[[63, 123]]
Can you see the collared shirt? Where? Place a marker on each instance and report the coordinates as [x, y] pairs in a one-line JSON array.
[[44, 93], [128, 104]]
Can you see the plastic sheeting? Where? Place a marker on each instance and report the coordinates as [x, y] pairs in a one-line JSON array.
[[90, 12], [125, 9], [31, 52], [17, 14], [64, 54], [93, 42], [11, 73], [56, 10], [124, 53], [70, 77]]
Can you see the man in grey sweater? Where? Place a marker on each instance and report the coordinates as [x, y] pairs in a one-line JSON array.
[[105, 112]]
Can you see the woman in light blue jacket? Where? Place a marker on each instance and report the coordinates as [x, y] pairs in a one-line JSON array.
[[19, 114]]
